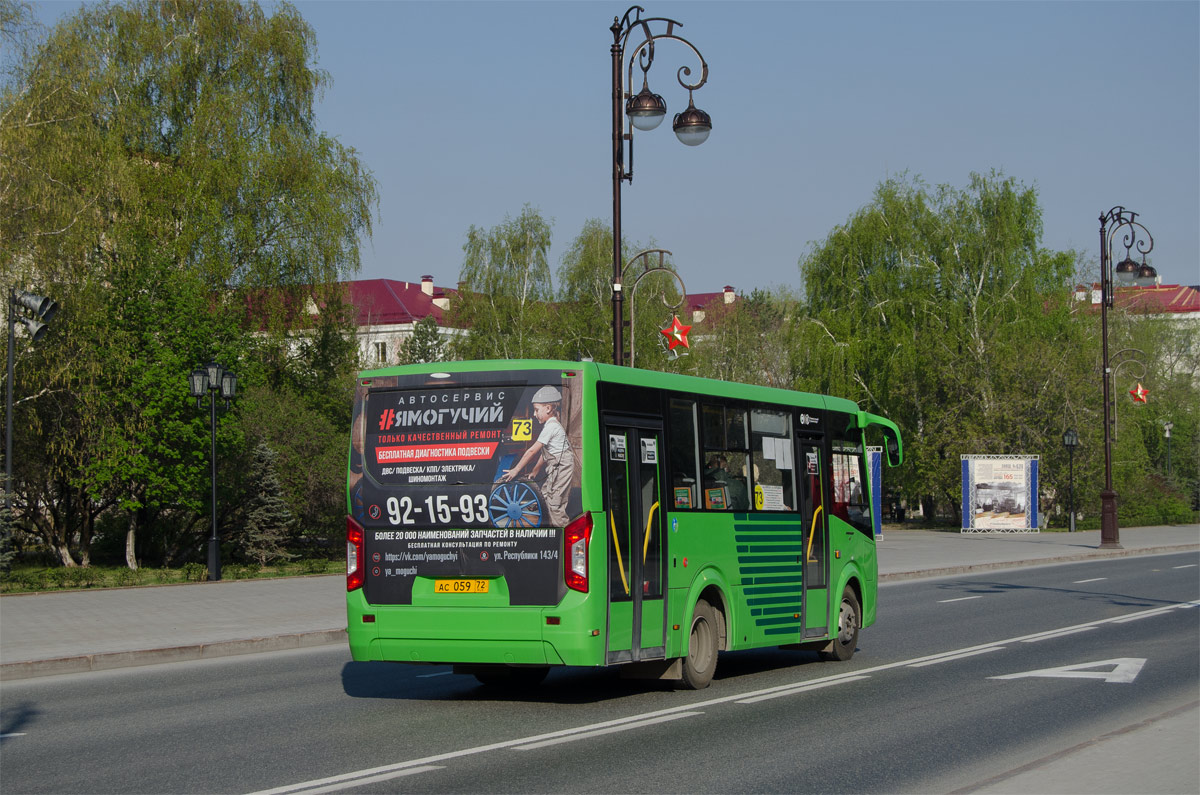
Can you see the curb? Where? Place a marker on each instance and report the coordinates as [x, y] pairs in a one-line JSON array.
[[201, 651], [948, 571]]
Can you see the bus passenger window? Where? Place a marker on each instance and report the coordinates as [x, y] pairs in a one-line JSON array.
[[774, 472], [726, 467], [683, 455], [725, 473]]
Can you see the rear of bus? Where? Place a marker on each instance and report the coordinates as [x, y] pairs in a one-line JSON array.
[[468, 531]]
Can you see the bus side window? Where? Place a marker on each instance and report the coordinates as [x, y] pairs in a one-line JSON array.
[[774, 471], [726, 478], [684, 458], [850, 501]]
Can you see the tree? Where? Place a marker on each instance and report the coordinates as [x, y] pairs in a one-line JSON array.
[[310, 466], [583, 327], [505, 290], [268, 525], [747, 341], [424, 345], [941, 310], [159, 165]]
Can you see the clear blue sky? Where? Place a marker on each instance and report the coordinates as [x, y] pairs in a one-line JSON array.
[[466, 111]]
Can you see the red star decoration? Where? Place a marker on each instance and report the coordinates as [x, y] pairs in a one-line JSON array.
[[1139, 393], [676, 334]]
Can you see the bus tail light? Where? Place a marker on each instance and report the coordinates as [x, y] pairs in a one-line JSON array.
[[355, 561], [575, 546]]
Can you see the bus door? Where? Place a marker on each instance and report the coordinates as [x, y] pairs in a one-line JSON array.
[[815, 520], [635, 519]]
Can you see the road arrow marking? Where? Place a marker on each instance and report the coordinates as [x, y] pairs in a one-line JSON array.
[[1124, 671]]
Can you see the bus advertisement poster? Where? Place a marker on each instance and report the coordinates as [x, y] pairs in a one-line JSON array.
[[465, 479]]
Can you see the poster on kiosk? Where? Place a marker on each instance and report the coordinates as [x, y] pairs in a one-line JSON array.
[[999, 493]]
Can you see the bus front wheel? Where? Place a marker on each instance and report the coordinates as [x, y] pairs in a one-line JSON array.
[[849, 620], [701, 661]]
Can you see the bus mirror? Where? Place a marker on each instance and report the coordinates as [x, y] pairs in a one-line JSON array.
[[893, 449]]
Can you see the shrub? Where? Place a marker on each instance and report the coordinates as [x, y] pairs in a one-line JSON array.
[[194, 572], [313, 566]]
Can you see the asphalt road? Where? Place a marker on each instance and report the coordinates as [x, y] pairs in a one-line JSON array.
[[919, 708]]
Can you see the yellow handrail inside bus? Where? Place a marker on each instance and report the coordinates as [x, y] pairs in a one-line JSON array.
[[612, 520], [649, 521], [813, 533]]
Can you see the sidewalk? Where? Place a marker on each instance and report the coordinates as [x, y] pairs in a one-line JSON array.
[[67, 632]]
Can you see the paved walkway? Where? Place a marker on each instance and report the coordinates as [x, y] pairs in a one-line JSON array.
[[70, 631]]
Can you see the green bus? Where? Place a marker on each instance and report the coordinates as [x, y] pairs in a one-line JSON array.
[[509, 516]]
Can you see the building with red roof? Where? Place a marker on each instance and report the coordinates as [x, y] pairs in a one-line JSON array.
[[388, 310], [1175, 300]]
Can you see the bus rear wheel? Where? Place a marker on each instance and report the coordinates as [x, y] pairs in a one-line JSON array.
[[849, 620], [701, 661]]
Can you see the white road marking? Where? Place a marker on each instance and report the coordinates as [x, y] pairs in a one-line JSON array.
[[1094, 579], [1158, 611], [610, 730], [12, 734], [959, 599], [347, 780], [801, 689], [950, 657], [430, 676], [1124, 671], [1188, 566], [1058, 634], [362, 782]]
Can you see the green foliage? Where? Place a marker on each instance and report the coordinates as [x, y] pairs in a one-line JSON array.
[[505, 287], [749, 341], [7, 548], [311, 465], [194, 572], [160, 171], [268, 524], [939, 309], [424, 345]]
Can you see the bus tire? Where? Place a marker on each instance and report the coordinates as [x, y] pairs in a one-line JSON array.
[[849, 620], [701, 661]]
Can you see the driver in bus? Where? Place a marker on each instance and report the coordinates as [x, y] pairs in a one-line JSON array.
[[556, 457]]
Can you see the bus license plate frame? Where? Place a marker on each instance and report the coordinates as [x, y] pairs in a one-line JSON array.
[[461, 585]]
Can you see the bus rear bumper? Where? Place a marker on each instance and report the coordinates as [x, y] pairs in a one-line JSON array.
[[509, 652], [559, 635]]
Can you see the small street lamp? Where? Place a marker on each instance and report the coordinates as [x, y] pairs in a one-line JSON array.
[[213, 379], [645, 111], [1128, 272], [40, 311], [1071, 441], [1167, 426]]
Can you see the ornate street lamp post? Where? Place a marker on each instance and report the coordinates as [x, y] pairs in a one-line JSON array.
[[648, 267], [213, 379], [645, 111], [1128, 272], [1071, 441]]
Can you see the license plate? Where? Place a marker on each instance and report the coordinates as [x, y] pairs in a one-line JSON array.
[[460, 586]]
